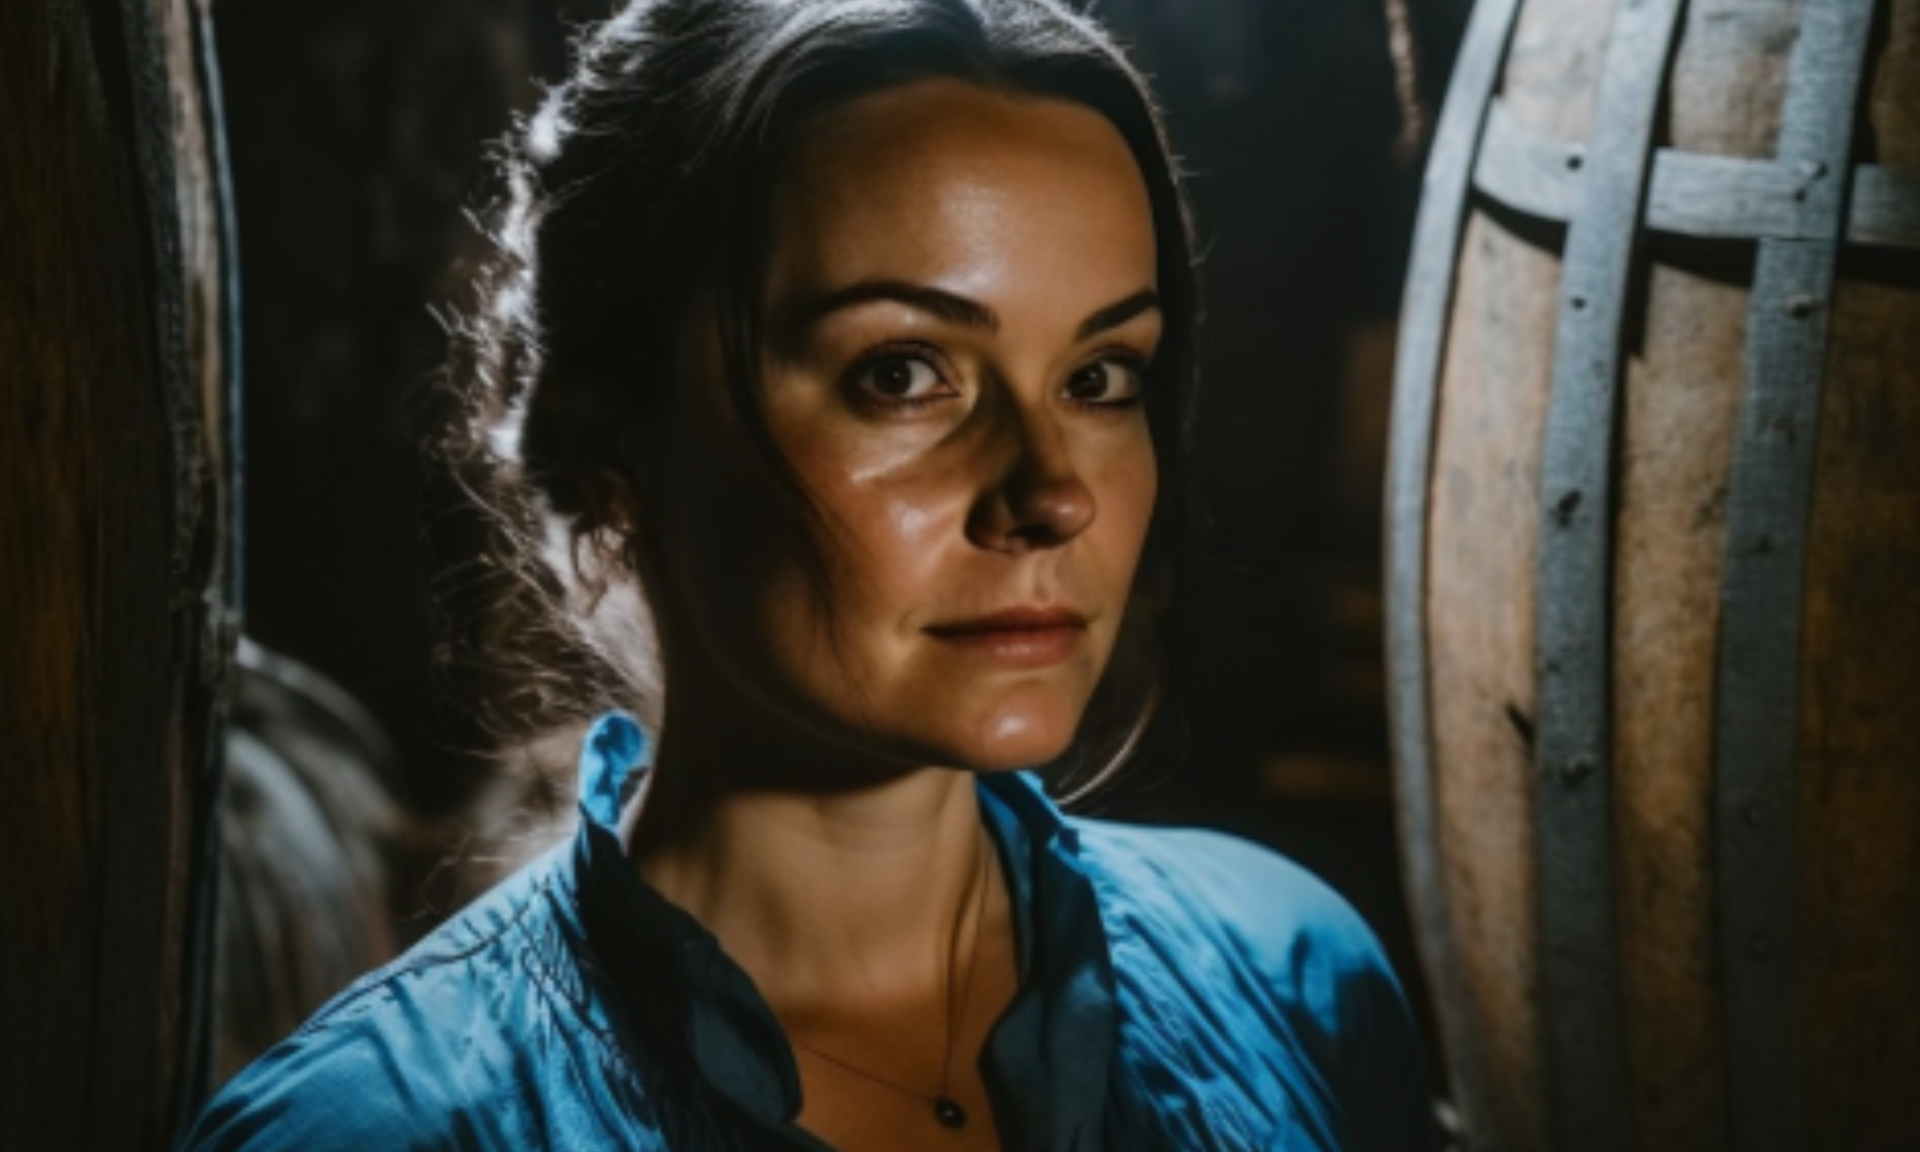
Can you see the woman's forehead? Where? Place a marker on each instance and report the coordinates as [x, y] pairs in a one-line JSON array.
[[978, 192]]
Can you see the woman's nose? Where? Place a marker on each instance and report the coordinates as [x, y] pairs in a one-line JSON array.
[[1038, 499]]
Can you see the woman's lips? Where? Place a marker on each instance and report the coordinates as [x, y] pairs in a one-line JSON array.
[[1020, 637]]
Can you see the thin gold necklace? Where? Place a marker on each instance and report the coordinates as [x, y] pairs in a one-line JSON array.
[[946, 1109]]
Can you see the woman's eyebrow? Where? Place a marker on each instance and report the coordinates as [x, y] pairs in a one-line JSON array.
[[942, 305], [1118, 313], [962, 311]]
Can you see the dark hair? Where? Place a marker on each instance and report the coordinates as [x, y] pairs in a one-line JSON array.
[[642, 183]]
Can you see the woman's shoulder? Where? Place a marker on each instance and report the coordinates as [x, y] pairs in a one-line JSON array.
[[1211, 886], [1248, 927], [462, 1039], [1236, 963]]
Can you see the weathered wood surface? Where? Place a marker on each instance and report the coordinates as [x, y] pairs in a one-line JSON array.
[[1854, 925], [1763, 577], [1436, 246], [112, 379], [1574, 560], [1697, 194]]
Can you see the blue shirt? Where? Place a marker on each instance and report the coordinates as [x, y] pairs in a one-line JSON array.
[[1179, 990]]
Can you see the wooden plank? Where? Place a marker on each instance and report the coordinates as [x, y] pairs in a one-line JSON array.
[[1697, 195], [1426, 309], [1727, 197], [109, 674], [223, 432], [1757, 687], [1527, 170], [1885, 208], [1585, 1053]]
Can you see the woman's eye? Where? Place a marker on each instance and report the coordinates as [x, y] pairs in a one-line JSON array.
[[1113, 382], [901, 380]]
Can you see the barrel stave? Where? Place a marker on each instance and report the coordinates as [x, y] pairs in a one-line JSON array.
[[1859, 730], [1682, 395], [1481, 623]]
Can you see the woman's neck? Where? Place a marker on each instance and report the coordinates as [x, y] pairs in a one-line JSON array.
[[821, 894]]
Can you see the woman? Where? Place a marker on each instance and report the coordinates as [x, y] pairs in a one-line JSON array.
[[851, 339]]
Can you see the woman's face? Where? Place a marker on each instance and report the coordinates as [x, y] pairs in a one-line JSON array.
[[959, 311]]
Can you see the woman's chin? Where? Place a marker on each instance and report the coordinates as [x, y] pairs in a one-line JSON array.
[[947, 722], [1014, 738]]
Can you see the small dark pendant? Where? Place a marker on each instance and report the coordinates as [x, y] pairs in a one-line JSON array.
[[950, 1114]]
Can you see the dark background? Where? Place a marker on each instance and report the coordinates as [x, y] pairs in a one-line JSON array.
[[358, 130]]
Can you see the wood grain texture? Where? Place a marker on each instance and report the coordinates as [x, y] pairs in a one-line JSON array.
[[1859, 732], [1893, 88], [1583, 1019], [1697, 194], [1858, 724], [108, 674], [1886, 207], [1482, 537], [1419, 361], [1682, 393], [1771, 478], [1480, 642]]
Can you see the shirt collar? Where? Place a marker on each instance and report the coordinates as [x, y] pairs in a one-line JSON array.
[[1047, 1058]]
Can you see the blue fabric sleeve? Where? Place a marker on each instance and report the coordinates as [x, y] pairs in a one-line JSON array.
[[473, 1040], [327, 1090], [1289, 991], [1327, 970]]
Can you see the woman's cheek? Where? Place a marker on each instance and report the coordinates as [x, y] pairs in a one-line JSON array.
[[1125, 490], [898, 501]]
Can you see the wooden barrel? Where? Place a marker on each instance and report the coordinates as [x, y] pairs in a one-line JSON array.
[[115, 590], [1654, 575]]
